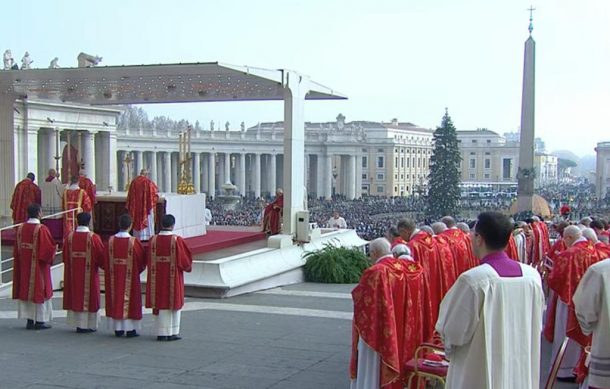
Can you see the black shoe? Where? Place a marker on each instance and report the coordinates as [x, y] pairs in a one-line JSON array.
[[118, 334], [173, 337], [132, 334], [162, 338], [40, 325], [84, 330], [566, 379], [29, 325]]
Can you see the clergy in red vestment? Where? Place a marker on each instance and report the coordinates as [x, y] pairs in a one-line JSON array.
[[125, 261], [272, 217], [393, 236], [74, 198], [389, 324], [168, 259], [565, 274], [443, 244], [85, 183], [424, 251], [33, 254], [142, 199], [460, 244], [511, 248], [26, 192], [83, 254]]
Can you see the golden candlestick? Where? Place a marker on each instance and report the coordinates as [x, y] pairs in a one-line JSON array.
[[185, 184]]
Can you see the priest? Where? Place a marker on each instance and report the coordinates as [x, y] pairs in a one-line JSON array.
[[83, 254], [460, 245], [74, 198], [388, 325], [52, 191], [592, 306], [445, 254], [33, 254], [272, 217], [142, 200], [424, 251], [564, 277], [26, 192], [490, 320], [168, 259], [85, 183], [124, 263]]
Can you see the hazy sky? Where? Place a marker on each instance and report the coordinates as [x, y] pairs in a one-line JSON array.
[[407, 59]]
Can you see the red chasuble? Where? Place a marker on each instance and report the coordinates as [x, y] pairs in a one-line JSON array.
[[25, 193], [142, 198], [424, 251], [398, 240], [511, 249], [34, 252], [126, 260], [603, 250], [460, 245], [168, 257], [73, 199], [272, 219], [83, 254], [568, 269], [447, 263], [89, 187], [388, 316]]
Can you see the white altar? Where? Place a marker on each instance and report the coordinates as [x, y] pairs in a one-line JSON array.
[[187, 209]]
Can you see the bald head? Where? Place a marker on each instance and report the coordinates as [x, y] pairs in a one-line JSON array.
[[378, 248], [463, 226], [438, 227], [427, 229], [448, 221], [571, 234], [589, 234]]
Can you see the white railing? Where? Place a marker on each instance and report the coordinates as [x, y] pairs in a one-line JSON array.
[[53, 216]]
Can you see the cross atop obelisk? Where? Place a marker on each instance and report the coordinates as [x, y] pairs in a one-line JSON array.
[[531, 26], [526, 172]]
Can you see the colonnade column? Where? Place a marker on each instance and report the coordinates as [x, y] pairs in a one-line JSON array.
[[227, 170], [139, 162], [167, 172], [212, 174], [351, 177], [242, 174], [111, 175], [89, 154], [273, 175], [153, 165], [257, 175], [204, 171], [358, 176], [319, 176], [175, 170], [51, 149], [196, 172], [328, 180], [32, 150]]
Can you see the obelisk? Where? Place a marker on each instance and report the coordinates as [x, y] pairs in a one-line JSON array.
[[526, 172]]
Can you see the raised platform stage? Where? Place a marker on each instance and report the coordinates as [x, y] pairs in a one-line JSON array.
[[230, 261]]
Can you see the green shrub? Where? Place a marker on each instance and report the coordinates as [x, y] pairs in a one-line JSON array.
[[335, 265]]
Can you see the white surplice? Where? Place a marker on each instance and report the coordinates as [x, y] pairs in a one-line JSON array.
[[572, 353], [491, 329], [592, 304], [369, 367]]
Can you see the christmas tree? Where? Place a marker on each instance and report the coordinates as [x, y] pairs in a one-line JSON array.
[[444, 178]]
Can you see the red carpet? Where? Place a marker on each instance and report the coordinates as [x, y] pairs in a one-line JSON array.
[[216, 240], [212, 241]]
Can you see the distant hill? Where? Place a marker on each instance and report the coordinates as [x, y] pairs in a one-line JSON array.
[[583, 165]]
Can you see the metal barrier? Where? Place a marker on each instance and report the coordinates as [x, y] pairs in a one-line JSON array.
[[53, 216]]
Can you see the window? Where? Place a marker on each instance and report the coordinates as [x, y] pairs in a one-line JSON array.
[[408, 159], [402, 162], [473, 163], [395, 189], [402, 150], [486, 175], [472, 153], [402, 176], [380, 163], [380, 189], [365, 150], [396, 151], [396, 163], [474, 141], [418, 162], [364, 177], [488, 141], [506, 168], [487, 163], [472, 176], [487, 153], [365, 162], [380, 177], [396, 176], [380, 150]]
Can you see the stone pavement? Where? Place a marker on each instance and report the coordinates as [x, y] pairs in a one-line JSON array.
[[292, 337]]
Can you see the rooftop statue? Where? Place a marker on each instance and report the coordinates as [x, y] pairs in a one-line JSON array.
[[243, 126], [26, 61], [87, 60], [54, 64], [211, 125], [227, 126], [8, 60]]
